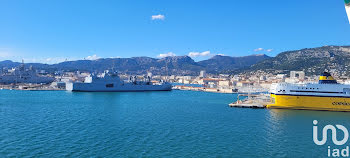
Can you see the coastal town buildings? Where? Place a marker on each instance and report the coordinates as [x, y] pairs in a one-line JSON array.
[[227, 83]]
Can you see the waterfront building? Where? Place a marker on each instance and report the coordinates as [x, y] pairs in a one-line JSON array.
[[202, 74], [225, 84], [297, 74], [281, 76], [244, 83]]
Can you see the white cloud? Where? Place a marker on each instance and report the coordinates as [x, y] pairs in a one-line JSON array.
[[258, 49], [262, 49], [158, 17], [48, 60], [53, 60], [5, 53], [199, 54], [10, 54], [221, 54], [93, 57], [169, 54], [115, 57]]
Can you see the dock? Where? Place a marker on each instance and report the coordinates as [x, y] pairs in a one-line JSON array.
[[204, 89], [30, 87], [257, 101], [254, 106]]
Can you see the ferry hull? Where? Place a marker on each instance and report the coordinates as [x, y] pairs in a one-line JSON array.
[[329, 103]]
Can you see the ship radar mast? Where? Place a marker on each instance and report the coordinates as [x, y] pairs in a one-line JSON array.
[[166, 69], [21, 67]]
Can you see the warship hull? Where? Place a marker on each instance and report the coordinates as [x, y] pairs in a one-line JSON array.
[[100, 87]]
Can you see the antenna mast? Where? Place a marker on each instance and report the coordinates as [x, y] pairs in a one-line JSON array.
[[166, 69]]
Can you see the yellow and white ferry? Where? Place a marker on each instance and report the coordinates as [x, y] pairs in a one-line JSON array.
[[326, 95]]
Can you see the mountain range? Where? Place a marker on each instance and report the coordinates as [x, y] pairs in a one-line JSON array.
[[310, 60], [173, 65]]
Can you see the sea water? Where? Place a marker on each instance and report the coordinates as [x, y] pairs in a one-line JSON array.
[[152, 124]]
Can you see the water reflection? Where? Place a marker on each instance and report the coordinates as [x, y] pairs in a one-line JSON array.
[[288, 131]]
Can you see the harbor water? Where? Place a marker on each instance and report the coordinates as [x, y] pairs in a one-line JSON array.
[[152, 124]]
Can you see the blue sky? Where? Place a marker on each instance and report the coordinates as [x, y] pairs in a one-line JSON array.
[[55, 30]]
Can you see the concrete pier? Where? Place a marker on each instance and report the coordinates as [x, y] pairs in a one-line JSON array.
[[258, 101], [255, 106], [204, 89]]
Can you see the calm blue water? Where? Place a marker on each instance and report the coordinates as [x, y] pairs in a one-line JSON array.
[[152, 124]]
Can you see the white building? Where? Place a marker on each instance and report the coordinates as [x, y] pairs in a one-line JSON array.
[[202, 74], [297, 75]]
